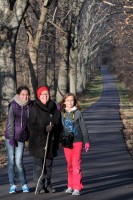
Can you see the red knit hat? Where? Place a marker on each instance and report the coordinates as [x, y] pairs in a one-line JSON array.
[[41, 89]]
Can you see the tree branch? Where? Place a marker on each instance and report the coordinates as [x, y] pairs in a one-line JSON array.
[[57, 27], [66, 15], [111, 4], [54, 14]]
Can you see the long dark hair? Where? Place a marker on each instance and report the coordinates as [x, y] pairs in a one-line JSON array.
[[19, 90]]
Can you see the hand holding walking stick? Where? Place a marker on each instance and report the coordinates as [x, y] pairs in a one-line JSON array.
[[45, 154]]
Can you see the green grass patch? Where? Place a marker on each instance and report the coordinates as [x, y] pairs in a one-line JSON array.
[[123, 93], [92, 93]]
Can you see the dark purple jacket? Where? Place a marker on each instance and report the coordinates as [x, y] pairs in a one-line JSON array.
[[16, 125]]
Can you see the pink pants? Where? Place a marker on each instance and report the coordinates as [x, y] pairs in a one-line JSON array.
[[73, 158]]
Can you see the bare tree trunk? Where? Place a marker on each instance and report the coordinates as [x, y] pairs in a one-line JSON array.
[[62, 50], [11, 16], [51, 33], [79, 71], [33, 45], [63, 70], [73, 56], [73, 70], [50, 57], [7, 76]]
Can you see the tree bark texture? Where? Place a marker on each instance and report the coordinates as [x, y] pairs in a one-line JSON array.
[[11, 16]]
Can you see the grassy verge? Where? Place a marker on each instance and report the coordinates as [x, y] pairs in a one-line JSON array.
[[92, 93], [126, 112]]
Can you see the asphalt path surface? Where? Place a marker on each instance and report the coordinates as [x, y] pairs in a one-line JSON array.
[[107, 168]]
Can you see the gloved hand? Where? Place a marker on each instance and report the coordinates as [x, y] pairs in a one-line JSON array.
[[49, 128], [13, 143], [87, 146]]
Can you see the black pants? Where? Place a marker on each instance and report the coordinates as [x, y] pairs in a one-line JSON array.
[[46, 177]]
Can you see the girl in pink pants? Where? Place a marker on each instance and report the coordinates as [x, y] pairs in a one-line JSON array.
[[74, 135]]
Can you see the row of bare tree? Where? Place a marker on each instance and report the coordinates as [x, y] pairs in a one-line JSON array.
[[60, 43]]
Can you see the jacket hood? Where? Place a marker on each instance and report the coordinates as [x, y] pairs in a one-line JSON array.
[[73, 109], [19, 101]]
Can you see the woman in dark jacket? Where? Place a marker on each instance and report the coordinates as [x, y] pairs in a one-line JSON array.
[[44, 118], [16, 134]]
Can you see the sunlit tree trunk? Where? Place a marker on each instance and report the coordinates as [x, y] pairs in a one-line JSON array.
[[73, 70], [73, 53], [62, 50], [33, 45], [73, 56], [62, 85]]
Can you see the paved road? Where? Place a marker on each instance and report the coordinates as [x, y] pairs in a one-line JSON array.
[[107, 168]]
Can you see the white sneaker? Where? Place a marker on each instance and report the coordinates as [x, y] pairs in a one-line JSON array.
[[69, 190], [76, 192]]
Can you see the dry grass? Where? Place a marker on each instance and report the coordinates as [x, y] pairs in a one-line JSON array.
[[126, 112]]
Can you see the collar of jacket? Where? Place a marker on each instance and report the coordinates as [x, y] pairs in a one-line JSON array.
[[49, 107], [19, 101]]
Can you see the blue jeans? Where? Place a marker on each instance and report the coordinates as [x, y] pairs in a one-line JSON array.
[[15, 158]]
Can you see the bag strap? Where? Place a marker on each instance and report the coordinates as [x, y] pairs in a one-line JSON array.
[[73, 115]]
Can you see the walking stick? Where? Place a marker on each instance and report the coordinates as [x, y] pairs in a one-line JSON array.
[[44, 161]]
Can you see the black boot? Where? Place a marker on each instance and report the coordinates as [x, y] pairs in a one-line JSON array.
[[50, 189], [41, 189]]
